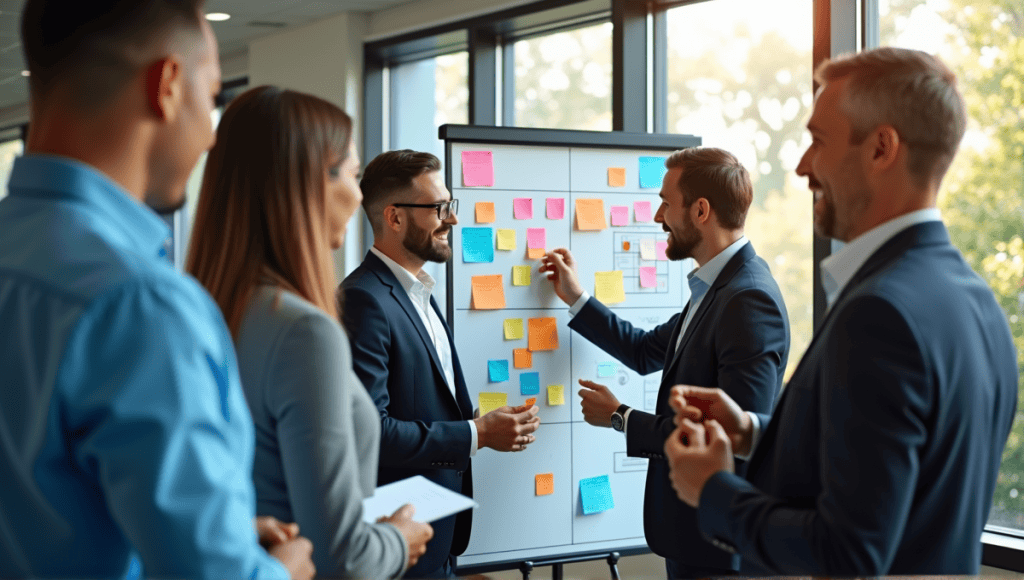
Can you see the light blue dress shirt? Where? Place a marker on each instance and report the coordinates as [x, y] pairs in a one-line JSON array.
[[124, 433]]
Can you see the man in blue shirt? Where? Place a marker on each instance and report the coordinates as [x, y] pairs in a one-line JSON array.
[[124, 435]]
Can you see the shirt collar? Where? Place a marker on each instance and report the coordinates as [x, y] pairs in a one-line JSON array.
[[709, 272], [838, 269], [50, 177], [418, 286]]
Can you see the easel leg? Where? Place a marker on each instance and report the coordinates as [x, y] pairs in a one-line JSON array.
[[556, 572], [526, 568], [613, 560]]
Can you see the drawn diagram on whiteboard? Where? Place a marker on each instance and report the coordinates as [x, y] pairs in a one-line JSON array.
[[626, 254]]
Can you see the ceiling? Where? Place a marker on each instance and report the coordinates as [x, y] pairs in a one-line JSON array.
[[250, 19]]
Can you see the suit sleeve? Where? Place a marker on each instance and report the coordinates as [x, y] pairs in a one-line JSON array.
[[874, 403], [416, 444], [641, 350]]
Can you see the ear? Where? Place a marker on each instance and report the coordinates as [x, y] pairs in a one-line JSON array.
[[165, 88], [885, 144], [392, 218], [701, 209]]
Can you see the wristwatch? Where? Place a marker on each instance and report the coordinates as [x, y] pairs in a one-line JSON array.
[[619, 418]]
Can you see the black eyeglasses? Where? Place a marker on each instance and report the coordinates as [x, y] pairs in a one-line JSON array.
[[445, 209]]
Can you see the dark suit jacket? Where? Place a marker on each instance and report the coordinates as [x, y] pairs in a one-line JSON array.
[[738, 340], [424, 429], [882, 455]]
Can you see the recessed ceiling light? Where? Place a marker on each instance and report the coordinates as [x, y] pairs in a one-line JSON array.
[[217, 16], [24, 73]]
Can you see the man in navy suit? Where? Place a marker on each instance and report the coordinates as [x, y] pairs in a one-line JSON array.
[[402, 350], [883, 453], [733, 334]]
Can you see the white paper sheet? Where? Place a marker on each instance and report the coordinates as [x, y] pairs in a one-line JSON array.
[[432, 501]]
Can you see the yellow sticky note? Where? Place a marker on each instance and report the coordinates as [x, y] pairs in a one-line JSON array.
[[513, 328], [530, 402], [520, 275], [506, 239], [616, 177], [608, 287], [491, 401], [556, 395], [488, 292], [522, 358], [590, 214], [545, 483], [484, 212], [543, 334], [535, 253]]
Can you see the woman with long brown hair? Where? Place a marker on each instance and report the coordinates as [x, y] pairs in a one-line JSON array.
[[279, 188]]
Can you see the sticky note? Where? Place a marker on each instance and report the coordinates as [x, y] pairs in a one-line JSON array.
[[616, 177], [659, 251], [530, 402], [606, 369], [522, 208], [484, 212], [590, 214], [556, 208], [491, 401], [544, 483], [535, 253], [648, 276], [536, 238], [522, 358], [513, 328], [529, 383], [497, 371], [488, 292], [477, 245], [556, 395], [477, 169], [652, 170], [506, 239], [596, 495], [646, 249], [520, 275], [642, 211], [620, 215], [543, 334], [608, 287]]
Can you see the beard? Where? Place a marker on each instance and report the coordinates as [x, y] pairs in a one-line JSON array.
[[682, 244], [423, 245], [825, 218]]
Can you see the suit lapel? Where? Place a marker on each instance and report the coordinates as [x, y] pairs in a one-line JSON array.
[[461, 393]]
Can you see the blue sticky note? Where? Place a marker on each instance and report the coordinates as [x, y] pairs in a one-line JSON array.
[[529, 383], [596, 494], [606, 369], [477, 245], [652, 170], [497, 371]]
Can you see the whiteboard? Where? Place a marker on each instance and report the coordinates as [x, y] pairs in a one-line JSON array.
[[513, 524]]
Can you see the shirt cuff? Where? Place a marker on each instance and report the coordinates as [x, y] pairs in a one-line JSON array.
[[754, 434], [579, 304], [472, 438], [625, 420]]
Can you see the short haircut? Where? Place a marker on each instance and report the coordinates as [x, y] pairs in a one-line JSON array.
[[388, 178], [98, 45], [717, 176], [909, 90]]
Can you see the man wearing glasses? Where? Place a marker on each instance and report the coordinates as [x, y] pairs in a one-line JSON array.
[[403, 351]]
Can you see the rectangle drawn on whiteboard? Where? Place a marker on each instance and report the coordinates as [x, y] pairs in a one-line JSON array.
[[624, 463]]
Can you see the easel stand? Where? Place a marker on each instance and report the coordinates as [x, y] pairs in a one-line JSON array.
[[556, 564]]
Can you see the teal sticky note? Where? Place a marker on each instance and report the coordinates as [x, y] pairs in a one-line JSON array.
[[529, 383], [477, 245], [596, 495], [606, 369], [652, 170], [497, 371]]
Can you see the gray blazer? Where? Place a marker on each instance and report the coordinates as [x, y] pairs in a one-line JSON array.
[[317, 435]]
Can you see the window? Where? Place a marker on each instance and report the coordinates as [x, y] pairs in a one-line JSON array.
[[8, 151], [982, 196], [739, 76], [426, 94]]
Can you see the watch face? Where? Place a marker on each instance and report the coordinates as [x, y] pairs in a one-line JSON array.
[[617, 421]]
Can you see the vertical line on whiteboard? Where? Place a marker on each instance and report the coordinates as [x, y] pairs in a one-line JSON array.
[[572, 449]]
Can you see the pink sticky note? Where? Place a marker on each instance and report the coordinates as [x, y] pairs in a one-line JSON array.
[[556, 208], [648, 276], [477, 168], [522, 208], [536, 238], [659, 251], [620, 215], [642, 211]]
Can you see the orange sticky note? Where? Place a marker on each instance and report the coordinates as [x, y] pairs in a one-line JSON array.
[[530, 402], [616, 177], [543, 334], [488, 292], [590, 214], [484, 212], [545, 483], [522, 358], [535, 253]]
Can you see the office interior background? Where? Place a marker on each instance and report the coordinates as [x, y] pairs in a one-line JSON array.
[[737, 73]]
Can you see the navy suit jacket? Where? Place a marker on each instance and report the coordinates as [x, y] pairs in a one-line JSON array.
[[738, 340], [424, 429], [883, 452]]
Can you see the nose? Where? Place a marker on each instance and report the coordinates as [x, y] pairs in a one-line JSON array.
[[659, 216], [803, 168], [452, 219]]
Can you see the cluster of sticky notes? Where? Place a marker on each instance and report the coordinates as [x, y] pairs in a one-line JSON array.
[[488, 292], [596, 495], [544, 483], [590, 214], [513, 328], [477, 169], [488, 402], [497, 371], [652, 170], [529, 383], [477, 245], [606, 369], [556, 394], [543, 334], [609, 288], [522, 358], [520, 275]]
